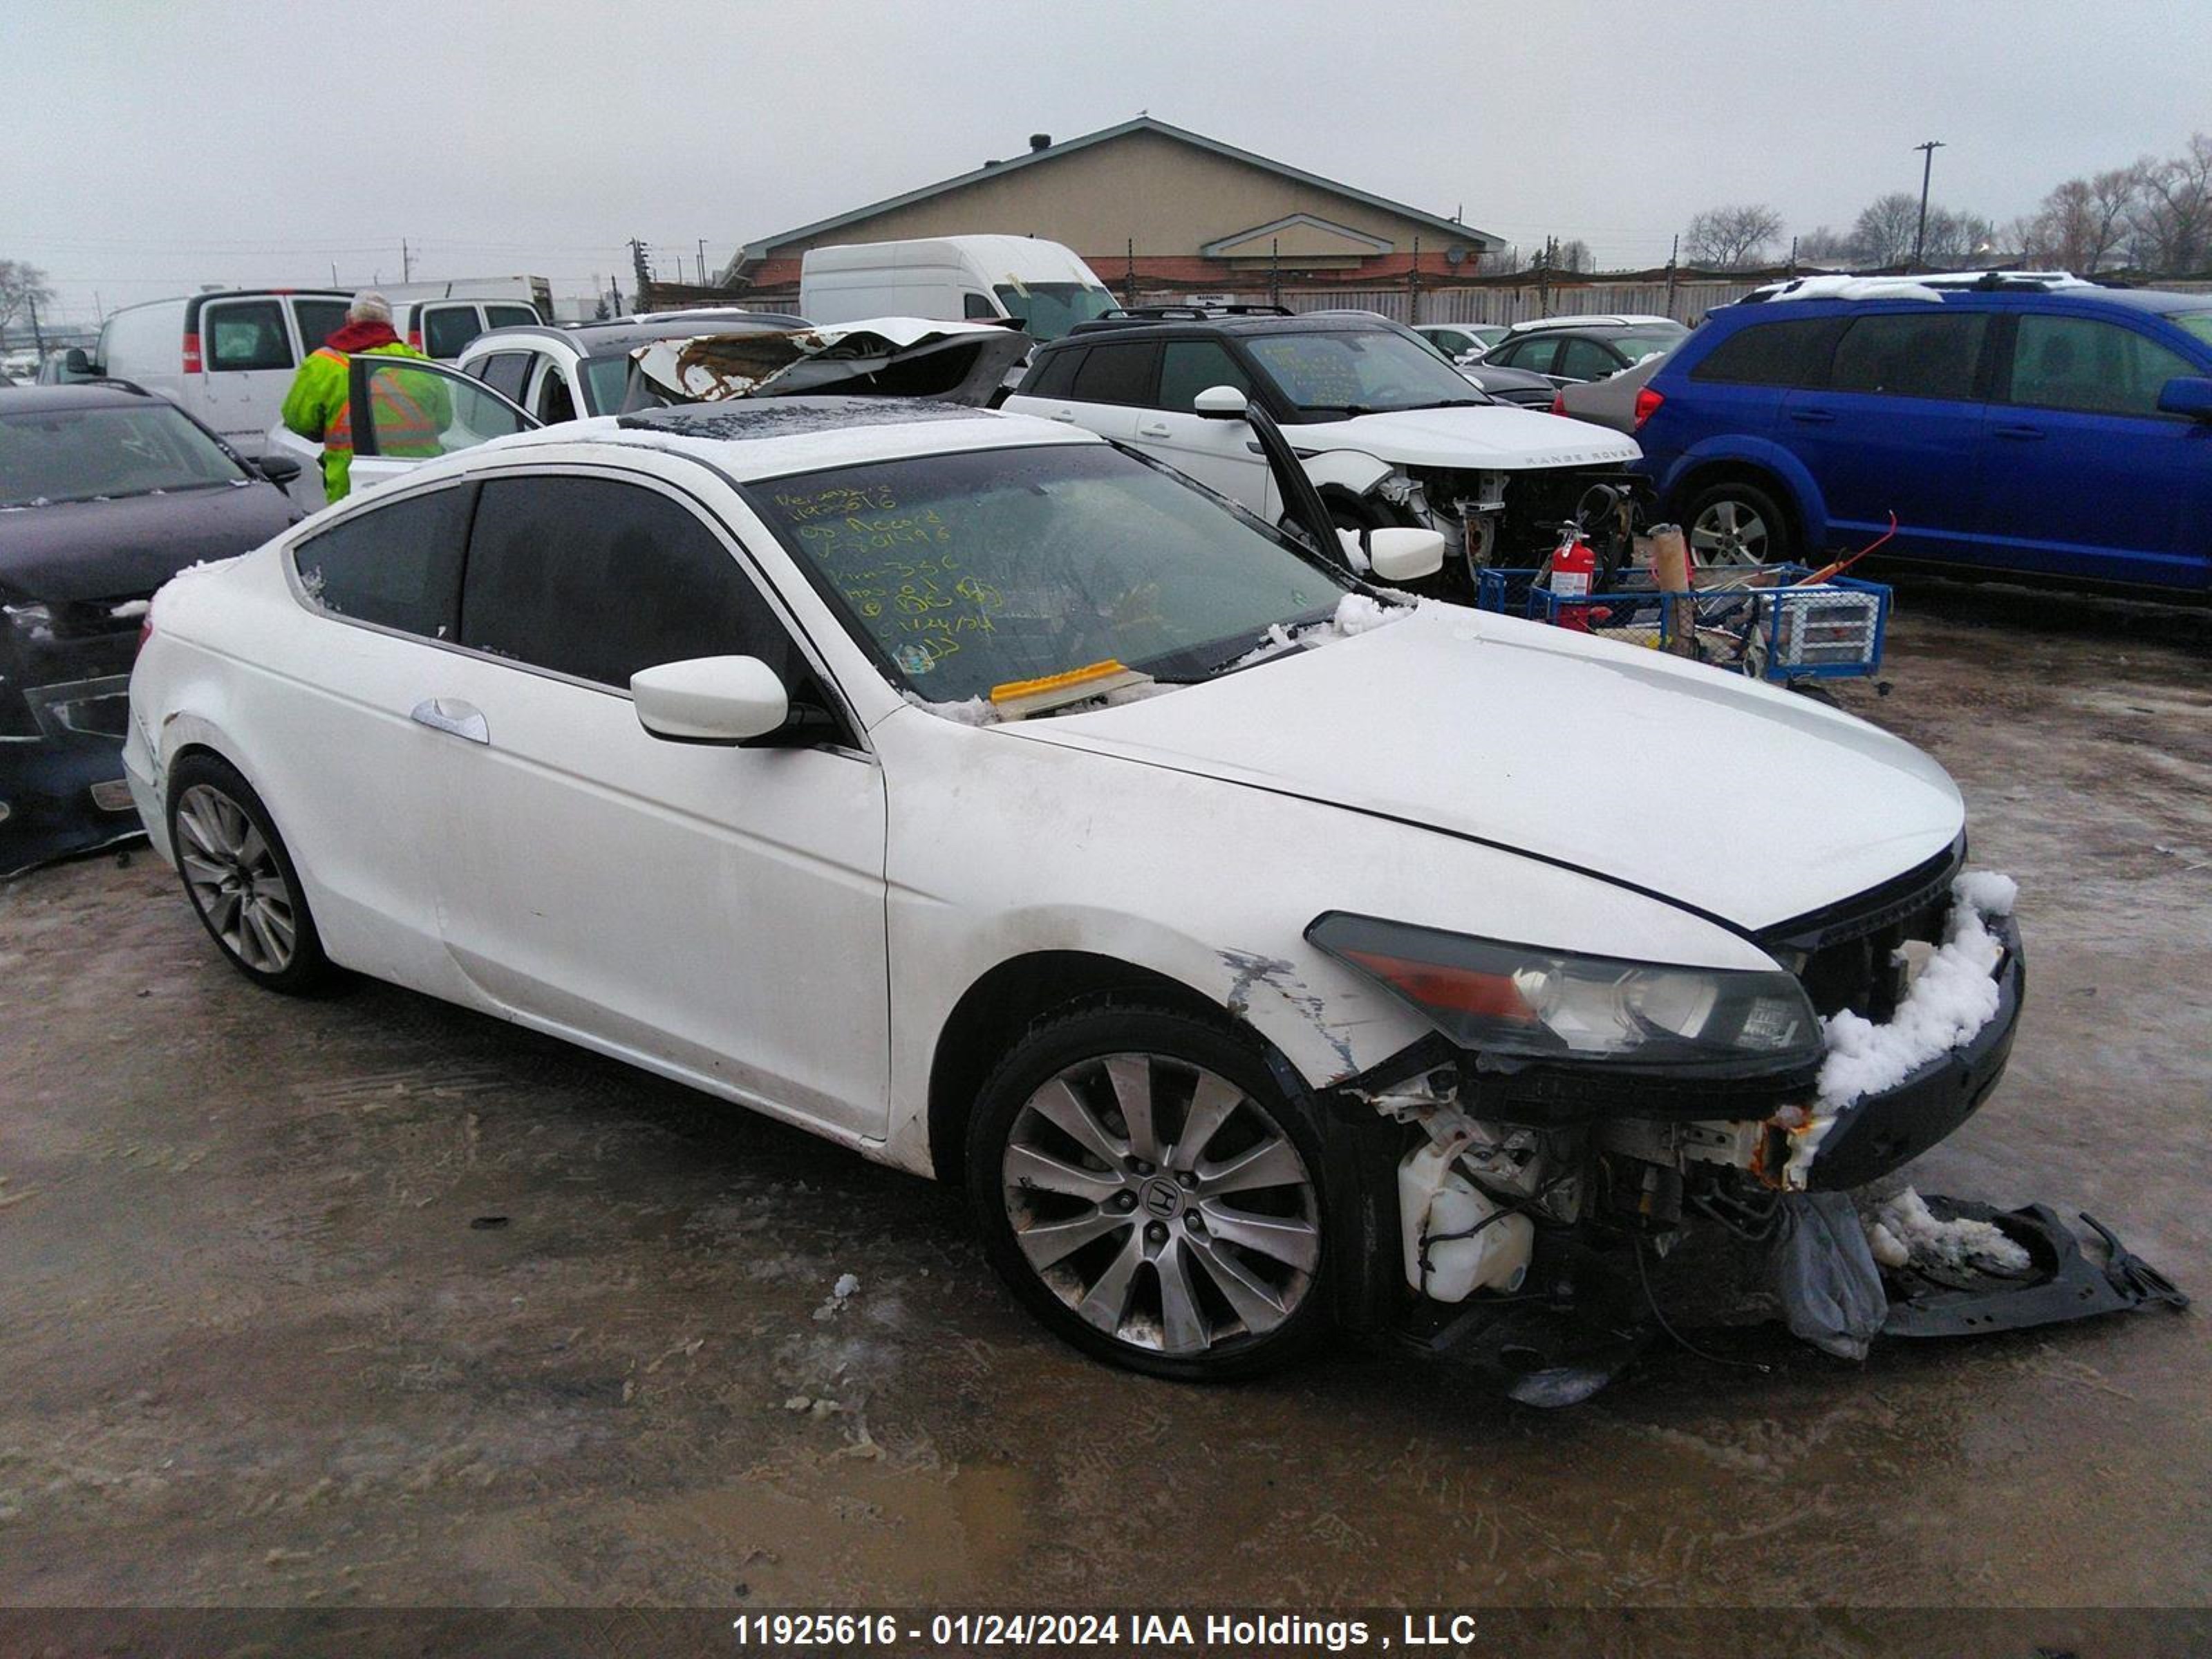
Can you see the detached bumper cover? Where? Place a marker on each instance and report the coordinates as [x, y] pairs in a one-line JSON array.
[[1875, 1134]]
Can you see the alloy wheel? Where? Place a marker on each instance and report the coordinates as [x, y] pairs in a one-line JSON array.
[[1729, 532], [232, 872], [1162, 1203]]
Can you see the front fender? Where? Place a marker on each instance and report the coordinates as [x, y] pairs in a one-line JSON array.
[[1743, 449]]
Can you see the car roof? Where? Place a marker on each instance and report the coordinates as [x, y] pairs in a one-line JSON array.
[[2008, 290], [751, 438], [1310, 322], [1625, 320], [29, 399], [617, 336]]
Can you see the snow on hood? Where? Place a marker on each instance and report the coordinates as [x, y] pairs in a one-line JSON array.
[[1751, 804], [1501, 437]]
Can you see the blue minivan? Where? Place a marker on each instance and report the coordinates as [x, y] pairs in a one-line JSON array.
[[2038, 426]]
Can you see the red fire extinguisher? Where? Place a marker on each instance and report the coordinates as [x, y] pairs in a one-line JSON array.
[[1574, 570]]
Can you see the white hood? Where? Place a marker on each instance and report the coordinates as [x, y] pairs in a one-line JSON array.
[[1746, 802], [1495, 437]]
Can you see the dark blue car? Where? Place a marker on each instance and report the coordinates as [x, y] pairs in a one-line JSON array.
[[2035, 426]]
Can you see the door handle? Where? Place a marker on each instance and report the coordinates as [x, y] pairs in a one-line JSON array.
[[2019, 432], [1152, 428], [451, 715], [1813, 416]]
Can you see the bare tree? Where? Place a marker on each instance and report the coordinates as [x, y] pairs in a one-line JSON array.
[[2173, 224], [21, 288], [2083, 223], [1728, 238], [1883, 233], [1822, 245], [1956, 239], [1576, 256]]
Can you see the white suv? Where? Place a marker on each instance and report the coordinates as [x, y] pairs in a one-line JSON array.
[[1389, 431]]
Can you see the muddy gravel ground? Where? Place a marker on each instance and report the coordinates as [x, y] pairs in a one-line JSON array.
[[366, 1301]]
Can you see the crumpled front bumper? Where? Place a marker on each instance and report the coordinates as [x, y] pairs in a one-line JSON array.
[[1878, 1133]]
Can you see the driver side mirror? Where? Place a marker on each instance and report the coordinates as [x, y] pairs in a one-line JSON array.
[[723, 699], [1221, 402], [76, 362], [2187, 394], [277, 469]]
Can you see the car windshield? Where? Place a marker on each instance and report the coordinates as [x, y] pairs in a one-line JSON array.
[[1324, 374], [89, 454], [972, 571], [1048, 310], [2198, 322]]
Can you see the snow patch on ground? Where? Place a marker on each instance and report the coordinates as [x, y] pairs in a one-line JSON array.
[[1905, 1230], [1953, 998]]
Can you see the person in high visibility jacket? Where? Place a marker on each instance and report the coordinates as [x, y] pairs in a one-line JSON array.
[[410, 410]]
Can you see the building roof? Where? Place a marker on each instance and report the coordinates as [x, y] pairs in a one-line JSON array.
[[760, 248]]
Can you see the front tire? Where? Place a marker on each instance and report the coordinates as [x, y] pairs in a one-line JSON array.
[[1738, 523], [1150, 1194], [239, 878]]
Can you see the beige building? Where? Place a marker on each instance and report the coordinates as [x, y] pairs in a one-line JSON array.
[[1188, 211]]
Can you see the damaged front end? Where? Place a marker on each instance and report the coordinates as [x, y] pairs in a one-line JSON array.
[[1513, 516], [1574, 1119]]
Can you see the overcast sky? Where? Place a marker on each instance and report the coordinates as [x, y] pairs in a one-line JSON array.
[[153, 145]]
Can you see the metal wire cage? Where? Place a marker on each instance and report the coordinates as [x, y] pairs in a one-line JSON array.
[[1754, 621]]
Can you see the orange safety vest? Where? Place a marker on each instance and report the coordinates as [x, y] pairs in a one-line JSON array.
[[403, 427]]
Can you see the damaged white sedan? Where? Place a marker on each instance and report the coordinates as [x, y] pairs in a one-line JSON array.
[[1266, 952]]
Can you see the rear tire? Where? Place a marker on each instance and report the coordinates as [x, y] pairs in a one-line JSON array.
[[1736, 522], [239, 879], [1150, 1194]]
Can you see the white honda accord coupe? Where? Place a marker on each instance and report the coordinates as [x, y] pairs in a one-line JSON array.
[[1265, 952]]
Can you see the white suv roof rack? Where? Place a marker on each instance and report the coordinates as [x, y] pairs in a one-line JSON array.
[[1927, 285]]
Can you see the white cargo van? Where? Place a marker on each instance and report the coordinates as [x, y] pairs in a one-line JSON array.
[[226, 356], [1041, 285], [439, 319]]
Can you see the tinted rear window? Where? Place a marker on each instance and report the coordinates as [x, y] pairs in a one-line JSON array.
[[1919, 353], [319, 319], [446, 328], [511, 316], [1116, 374], [245, 336], [1769, 354], [1055, 373], [398, 565]]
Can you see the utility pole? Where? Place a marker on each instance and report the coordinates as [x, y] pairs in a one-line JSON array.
[[702, 262], [1927, 166], [1274, 270], [640, 266], [1673, 253], [1413, 286], [1793, 256], [406, 263], [38, 339], [1129, 276]]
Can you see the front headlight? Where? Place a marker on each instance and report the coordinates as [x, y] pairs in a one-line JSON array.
[[1524, 1000]]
